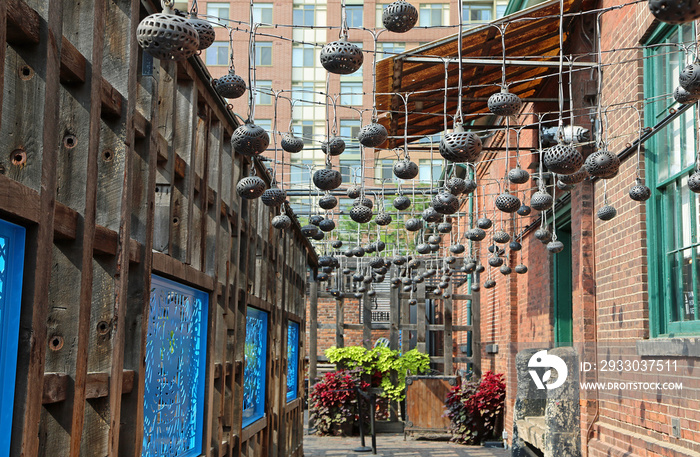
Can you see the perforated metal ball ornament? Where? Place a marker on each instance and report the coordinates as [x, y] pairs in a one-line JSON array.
[[341, 57], [515, 246], [480, 268], [541, 201], [167, 36], [315, 219], [602, 164], [494, 248], [524, 210], [230, 85], [402, 202], [444, 227], [489, 284], [383, 219], [337, 244], [457, 248], [501, 236], [380, 245], [319, 236], [250, 140], [334, 146], [309, 230], [505, 270], [361, 214], [423, 248], [250, 187], [475, 234], [476, 287], [507, 202], [521, 269], [363, 201], [639, 192], [398, 260], [518, 176], [504, 103], [563, 159], [292, 144], [445, 203], [322, 277], [414, 224], [399, 17], [555, 247], [456, 185], [469, 267], [574, 178], [327, 225], [405, 169], [675, 12], [606, 213], [205, 31], [495, 261], [443, 285], [471, 186], [460, 146], [273, 196], [430, 215], [376, 262], [434, 247], [434, 239], [543, 235], [484, 223], [327, 179], [358, 251], [684, 97], [353, 192], [281, 222], [414, 263], [372, 135], [325, 261], [694, 182], [328, 202]]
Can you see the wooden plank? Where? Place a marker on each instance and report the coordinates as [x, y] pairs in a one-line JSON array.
[[3, 50], [339, 323], [57, 385], [421, 319], [112, 101], [366, 321], [73, 64], [18, 201], [313, 329], [23, 23], [447, 335], [169, 267]]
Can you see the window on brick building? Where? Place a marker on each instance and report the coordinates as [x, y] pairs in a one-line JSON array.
[[351, 93], [384, 171], [217, 54], [303, 56], [354, 15], [218, 10], [434, 14], [304, 15], [263, 92], [262, 13], [429, 170], [263, 53], [673, 211]]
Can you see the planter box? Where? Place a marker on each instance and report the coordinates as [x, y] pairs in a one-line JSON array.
[[425, 403]]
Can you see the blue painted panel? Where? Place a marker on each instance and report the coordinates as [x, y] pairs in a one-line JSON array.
[[292, 360], [11, 266], [173, 401], [255, 366]]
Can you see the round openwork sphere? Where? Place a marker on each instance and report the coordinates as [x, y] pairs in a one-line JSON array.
[[606, 213], [480, 268], [434, 239], [337, 244], [541, 201], [675, 12], [475, 234], [205, 31], [358, 251], [273, 196], [372, 135], [518, 176], [515, 246], [281, 222], [399, 17], [405, 169], [694, 182], [501, 236], [521, 269], [460, 146], [398, 260], [363, 201], [434, 247], [328, 202], [292, 144], [250, 140], [353, 192], [443, 285], [457, 248], [476, 287], [505, 270], [494, 248], [430, 215], [444, 227], [414, 224], [319, 236], [684, 97], [402, 202], [602, 164], [524, 210], [167, 37], [361, 214], [489, 284], [504, 103], [325, 261], [327, 225], [563, 159], [423, 248], [315, 219], [639, 192], [341, 57], [309, 230], [484, 223], [334, 146], [543, 235], [471, 186], [250, 187], [380, 245], [383, 219], [370, 247], [376, 262], [327, 179], [508, 203], [230, 85], [445, 203], [414, 263], [348, 253], [495, 261], [322, 277], [456, 185], [574, 178], [555, 247], [469, 267]]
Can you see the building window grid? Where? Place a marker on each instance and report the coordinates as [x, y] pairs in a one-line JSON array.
[[262, 13], [434, 14], [384, 171], [304, 15], [390, 49], [219, 11], [263, 53], [474, 12], [303, 56], [354, 15], [429, 170], [263, 92], [217, 53], [351, 93]]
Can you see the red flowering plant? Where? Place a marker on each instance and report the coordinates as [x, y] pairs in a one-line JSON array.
[[475, 409], [333, 402]]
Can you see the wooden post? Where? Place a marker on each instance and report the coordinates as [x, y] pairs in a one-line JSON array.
[[313, 330], [366, 321], [421, 318], [476, 333], [339, 322], [447, 334]]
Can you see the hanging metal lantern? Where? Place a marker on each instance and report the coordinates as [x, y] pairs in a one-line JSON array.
[[430, 215], [484, 223], [292, 144], [372, 135], [363, 201], [563, 159], [383, 219], [541, 201], [445, 203], [574, 178], [322, 277], [543, 235], [281, 222], [337, 244], [402, 202], [602, 164], [456, 185], [476, 287], [457, 248], [423, 248], [327, 202], [399, 260], [334, 146], [273, 196], [361, 214], [250, 187], [325, 261], [413, 224], [504, 103], [606, 213], [399, 17], [524, 210], [341, 58], [675, 12], [327, 179], [327, 225], [353, 192], [521, 269], [205, 31], [434, 239], [376, 262], [230, 85], [694, 182], [309, 230], [480, 268], [380, 245], [250, 140], [315, 219], [515, 246], [358, 251], [505, 270], [475, 234], [319, 236], [469, 267], [444, 227], [489, 284], [684, 97], [471, 186], [405, 169], [460, 146], [501, 236], [508, 203], [434, 247], [494, 248], [518, 176], [166, 36], [555, 247], [414, 263], [639, 192], [495, 261]]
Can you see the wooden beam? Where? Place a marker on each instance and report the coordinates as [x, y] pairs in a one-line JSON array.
[[73, 64], [23, 23], [56, 386], [111, 101]]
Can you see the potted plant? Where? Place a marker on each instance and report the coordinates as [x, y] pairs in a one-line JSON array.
[[333, 402]]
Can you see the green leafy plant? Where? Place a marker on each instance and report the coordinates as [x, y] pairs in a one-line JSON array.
[[333, 402], [475, 409], [381, 362]]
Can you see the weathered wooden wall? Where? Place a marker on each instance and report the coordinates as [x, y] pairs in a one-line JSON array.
[[120, 166]]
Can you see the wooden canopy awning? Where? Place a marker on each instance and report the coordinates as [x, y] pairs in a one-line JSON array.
[[532, 49]]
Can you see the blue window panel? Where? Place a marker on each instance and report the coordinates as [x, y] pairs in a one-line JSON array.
[[11, 265], [292, 360], [255, 366], [173, 401]]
